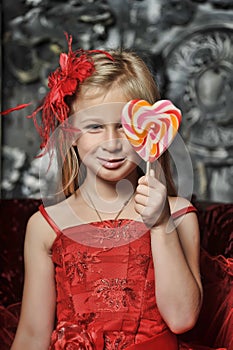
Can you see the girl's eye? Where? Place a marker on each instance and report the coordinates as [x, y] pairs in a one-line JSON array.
[[94, 127], [119, 126]]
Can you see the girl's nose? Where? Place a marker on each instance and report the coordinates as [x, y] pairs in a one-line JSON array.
[[113, 140]]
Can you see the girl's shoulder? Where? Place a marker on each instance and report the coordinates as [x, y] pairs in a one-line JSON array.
[[37, 222], [59, 216], [39, 232], [180, 206]]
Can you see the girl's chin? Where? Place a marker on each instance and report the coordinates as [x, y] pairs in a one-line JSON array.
[[115, 175]]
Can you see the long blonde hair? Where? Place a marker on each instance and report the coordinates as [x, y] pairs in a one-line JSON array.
[[128, 73]]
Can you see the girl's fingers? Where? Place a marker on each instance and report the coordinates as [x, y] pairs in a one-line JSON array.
[[142, 200], [143, 189], [149, 181], [139, 208], [146, 184]]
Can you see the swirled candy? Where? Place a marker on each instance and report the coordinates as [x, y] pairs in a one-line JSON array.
[[150, 128]]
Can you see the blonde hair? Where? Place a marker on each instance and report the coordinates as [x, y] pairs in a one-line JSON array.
[[128, 73]]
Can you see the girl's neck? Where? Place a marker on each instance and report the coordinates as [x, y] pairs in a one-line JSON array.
[[110, 191], [106, 200]]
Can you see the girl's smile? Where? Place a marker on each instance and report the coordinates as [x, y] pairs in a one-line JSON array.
[[112, 163]]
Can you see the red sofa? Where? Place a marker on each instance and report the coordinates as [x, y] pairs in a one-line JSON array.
[[215, 324]]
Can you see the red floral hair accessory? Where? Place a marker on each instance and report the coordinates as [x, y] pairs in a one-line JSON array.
[[75, 67]]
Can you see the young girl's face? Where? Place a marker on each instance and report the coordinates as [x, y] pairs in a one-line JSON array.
[[103, 146]]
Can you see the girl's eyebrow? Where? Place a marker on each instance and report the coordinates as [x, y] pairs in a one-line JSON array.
[[97, 119], [90, 120]]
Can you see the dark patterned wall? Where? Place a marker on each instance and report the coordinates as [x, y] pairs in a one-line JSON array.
[[189, 44]]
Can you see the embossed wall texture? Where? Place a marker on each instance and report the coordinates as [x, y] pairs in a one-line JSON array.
[[189, 45]]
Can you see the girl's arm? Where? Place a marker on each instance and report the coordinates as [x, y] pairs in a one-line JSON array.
[[178, 285], [38, 305], [175, 253]]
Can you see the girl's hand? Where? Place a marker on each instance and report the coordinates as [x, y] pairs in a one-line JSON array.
[[151, 201]]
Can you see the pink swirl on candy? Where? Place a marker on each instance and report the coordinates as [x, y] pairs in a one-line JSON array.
[[150, 128]]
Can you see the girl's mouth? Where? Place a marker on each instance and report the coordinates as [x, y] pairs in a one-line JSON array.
[[111, 163]]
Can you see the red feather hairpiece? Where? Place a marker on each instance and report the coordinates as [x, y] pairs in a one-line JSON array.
[[75, 67]]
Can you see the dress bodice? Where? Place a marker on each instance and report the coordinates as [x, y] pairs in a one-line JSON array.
[[109, 287], [105, 286]]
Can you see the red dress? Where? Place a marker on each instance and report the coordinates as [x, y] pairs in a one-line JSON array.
[[106, 288]]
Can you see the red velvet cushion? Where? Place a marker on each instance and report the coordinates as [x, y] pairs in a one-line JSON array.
[[14, 215], [8, 324], [215, 324], [216, 227]]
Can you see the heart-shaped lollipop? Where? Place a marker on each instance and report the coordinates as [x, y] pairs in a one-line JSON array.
[[150, 128]]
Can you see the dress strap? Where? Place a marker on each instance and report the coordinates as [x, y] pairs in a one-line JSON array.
[[183, 211], [49, 219]]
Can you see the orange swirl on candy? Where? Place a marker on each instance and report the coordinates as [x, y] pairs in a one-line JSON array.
[[150, 128]]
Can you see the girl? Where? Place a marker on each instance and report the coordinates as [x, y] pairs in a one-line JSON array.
[[112, 260]]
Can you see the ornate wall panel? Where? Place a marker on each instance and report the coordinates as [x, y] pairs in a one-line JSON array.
[[189, 46], [200, 80]]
